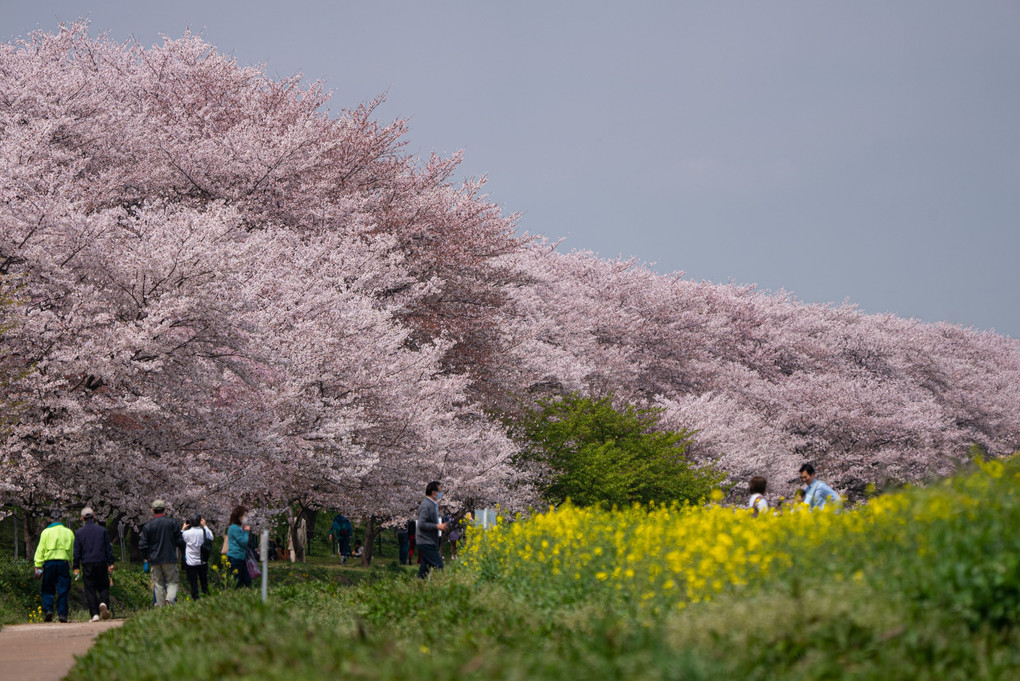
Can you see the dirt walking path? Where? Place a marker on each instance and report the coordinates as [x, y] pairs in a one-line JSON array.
[[46, 651]]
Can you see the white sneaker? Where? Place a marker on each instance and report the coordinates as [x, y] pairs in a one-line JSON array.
[[104, 611], [95, 618]]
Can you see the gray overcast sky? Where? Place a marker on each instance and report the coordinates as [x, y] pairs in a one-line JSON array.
[[861, 150]]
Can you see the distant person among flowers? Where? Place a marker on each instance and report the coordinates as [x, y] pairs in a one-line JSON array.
[[758, 503], [403, 543], [428, 529], [340, 532], [453, 537], [197, 542], [53, 564], [816, 492], [93, 559], [237, 545]]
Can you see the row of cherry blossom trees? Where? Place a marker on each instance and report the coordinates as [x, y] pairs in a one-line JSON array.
[[229, 293], [770, 382]]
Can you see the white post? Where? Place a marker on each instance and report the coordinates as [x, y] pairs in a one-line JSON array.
[[264, 550]]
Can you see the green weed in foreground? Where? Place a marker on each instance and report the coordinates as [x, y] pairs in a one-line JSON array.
[[935, 600], [20, 597]]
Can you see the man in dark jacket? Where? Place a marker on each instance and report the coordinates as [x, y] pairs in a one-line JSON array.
[[93, 559], [428, 529], [160, 538]]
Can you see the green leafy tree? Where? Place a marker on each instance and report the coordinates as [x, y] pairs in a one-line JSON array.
[[592, 453]]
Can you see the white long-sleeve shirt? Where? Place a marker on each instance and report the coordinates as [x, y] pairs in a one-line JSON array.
[[193, 538]]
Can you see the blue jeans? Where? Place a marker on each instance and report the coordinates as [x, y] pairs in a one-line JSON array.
[[430, 558], [56, 578]]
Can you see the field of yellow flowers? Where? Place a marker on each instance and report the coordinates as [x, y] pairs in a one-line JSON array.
[[666, 558], [922, 584]]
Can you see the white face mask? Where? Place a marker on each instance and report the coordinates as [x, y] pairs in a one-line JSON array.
[[244, 520]]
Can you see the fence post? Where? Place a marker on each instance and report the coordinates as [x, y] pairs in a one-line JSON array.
[[264, 551]]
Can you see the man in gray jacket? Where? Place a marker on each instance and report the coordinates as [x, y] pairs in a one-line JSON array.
[[158, 542], [427, 534]]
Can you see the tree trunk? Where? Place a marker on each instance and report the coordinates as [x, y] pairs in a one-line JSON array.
[[310, 515], [32, 532], [371, 530], [15, 516], [134, 553], [298, 526]]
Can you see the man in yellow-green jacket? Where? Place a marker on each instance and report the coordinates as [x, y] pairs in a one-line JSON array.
[[53, 563]]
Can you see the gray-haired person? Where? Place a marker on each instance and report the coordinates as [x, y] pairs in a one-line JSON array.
[[93, 559]]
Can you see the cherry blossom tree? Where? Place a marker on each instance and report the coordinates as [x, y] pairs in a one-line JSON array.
[[768, 382], [228, 292]]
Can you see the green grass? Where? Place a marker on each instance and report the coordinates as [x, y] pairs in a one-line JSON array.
[[20, 595], [948, 612]]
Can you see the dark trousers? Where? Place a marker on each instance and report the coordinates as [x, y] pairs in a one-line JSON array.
[[403, 542], [56, 581], [200, 573], [430, 558], [241, 567], [96, 585]]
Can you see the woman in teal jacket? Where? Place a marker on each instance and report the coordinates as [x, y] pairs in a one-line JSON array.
[[237, 545]]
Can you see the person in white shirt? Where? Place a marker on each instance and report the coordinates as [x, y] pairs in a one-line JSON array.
[[758, 503], [196, 536]]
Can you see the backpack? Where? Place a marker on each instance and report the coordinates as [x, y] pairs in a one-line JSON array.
[[206, 549]]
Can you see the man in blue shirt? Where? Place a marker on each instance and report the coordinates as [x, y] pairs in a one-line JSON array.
[[816, 492]]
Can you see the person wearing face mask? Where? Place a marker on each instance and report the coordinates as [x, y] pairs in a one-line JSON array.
[[428, 529], [237, 544]]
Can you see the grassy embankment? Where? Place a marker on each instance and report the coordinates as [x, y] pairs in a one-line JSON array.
[[922, 584]]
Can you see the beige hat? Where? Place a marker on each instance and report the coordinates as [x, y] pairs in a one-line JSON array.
[[159, 505], [87, 512]]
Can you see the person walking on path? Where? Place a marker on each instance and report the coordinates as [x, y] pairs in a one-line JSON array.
[[758, 503], [428, 529], [453, 537], [197, 545], [816, 492], [159, 540], [237, 545], [341, 531], [52, 563], [93, 560]]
